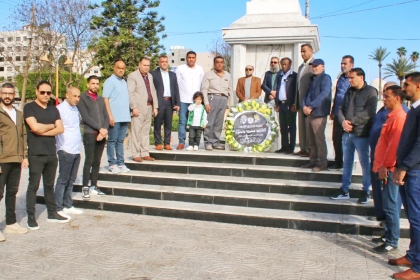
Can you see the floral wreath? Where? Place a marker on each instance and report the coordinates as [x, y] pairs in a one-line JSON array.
[[262, 109]]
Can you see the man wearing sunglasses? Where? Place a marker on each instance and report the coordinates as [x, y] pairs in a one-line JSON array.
[[270, 77], [43, 123], [13, 155], [248, 87]]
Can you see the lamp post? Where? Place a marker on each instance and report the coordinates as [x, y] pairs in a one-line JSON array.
[[57, 52]]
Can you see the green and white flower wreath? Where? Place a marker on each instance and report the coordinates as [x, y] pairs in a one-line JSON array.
[[256, 106]]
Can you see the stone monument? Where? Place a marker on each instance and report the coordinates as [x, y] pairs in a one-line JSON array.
[[269, 28]]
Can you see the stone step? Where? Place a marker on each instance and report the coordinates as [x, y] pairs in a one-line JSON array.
[[240, 170], [286, 186], [238, 198], [301, 220], [216, 156]]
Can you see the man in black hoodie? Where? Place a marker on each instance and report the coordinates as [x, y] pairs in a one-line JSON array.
[[96, 123]]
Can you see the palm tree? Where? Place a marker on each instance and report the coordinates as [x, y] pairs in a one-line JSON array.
[[379, 54], [401, 51], [414, 57], [399, 68]]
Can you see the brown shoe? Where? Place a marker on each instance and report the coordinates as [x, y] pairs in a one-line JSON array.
[[297, 153], [319, 168], [168, 147], [408, 274], [304, 154], [309, 165], [180, 147], [159, 147], [148, 158], [400, 262], [137, 159]]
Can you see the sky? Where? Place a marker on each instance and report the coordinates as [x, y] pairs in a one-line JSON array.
[[397, 22]]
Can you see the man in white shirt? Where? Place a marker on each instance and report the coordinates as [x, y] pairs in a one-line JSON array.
[[68, 149], [189, 76]]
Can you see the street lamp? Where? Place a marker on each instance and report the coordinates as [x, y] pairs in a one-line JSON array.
[[57, 53]]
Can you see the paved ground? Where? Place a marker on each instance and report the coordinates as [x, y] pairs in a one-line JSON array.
[[107, 245]]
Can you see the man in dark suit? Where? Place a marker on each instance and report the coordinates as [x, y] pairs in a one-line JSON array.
[[286, 88], [167, 92], [269, 83]]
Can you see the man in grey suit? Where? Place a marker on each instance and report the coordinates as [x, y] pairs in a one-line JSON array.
[[143, 103], [303, 80]]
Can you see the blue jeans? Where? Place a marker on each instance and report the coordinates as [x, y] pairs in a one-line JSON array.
[[116, 136], [182, 128], [410, 194], [392, 208], [361, 145], [67, 173]]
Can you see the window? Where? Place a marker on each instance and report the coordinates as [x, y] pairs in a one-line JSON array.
[[1, 58], [173, 61], [24, 48], [87, 64], [96, 71], [9, 68], [1, 49], [9, 79], [9, 49], [1, 69], [9, 58], [17, 58], [25, 38], [17, 39], [24, 58], [173, 54], [18, 48], [182, 59], [10, 39], [1, 40], [17, 68]]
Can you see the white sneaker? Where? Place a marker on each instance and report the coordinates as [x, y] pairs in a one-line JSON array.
[[2, 238], [124, 169], [96, 191], [62, 214], [195, 148], [113, 169], [15, 228], [190, 148], [72, 210]]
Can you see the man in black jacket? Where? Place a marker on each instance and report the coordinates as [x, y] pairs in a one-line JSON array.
[[286, 88], [356, 115], [167, 93], [269, 82], [96, 123]]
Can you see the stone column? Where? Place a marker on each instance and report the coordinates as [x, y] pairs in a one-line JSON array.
[[238, 65]]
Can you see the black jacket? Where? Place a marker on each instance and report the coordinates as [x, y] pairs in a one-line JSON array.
[[94, 113], [267, 86], [359, 107], [160, 90], [290, 88]]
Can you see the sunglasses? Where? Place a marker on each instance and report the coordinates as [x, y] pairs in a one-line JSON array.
[[273, 62], [45, 92], [248, 69]]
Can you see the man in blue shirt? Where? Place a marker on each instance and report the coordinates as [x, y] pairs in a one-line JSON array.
[[347, 63], [117, 103]]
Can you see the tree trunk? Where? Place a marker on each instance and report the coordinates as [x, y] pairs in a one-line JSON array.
[[380, 81]]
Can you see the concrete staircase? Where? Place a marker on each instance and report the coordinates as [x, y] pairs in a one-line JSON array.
[[251, 189]]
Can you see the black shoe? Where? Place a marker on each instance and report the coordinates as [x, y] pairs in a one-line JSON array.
[[280, 151], [337, 195], [335, 167], [381, 239], [364, 198], [289, 152], [309, 165], [32, 224], [384, 248], [56, 218]]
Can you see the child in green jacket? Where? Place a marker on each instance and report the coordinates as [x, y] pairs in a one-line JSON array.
[[197, 121]]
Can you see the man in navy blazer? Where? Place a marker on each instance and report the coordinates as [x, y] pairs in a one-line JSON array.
[[270, 77], [316, 106], [285, 98], [167, 92]]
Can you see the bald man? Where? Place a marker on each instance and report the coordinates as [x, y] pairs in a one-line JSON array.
[[68, 150], [248, 87]]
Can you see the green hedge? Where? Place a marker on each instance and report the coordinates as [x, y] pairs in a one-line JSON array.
[[175, 125]]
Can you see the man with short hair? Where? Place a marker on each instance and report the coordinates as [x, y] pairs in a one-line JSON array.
[[316, 106], [218, 97], [115, 94], [43, 123], [384, 163], [286, 88], [13, 157], [248, 87], [356, 115], [407, 176], [68, 150], [303, 80], [347, 63], [269, 83], [144, 105], [189, 76], [167, 92], [95, 129]]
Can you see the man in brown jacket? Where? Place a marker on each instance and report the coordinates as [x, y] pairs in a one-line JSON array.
[[248, 87], [13, 155]]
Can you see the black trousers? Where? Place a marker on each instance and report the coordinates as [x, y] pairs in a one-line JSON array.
[[93, 155], [287, 126], [195, 135], [44, 166], [165, 113], [337, 137], [10, 177]]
